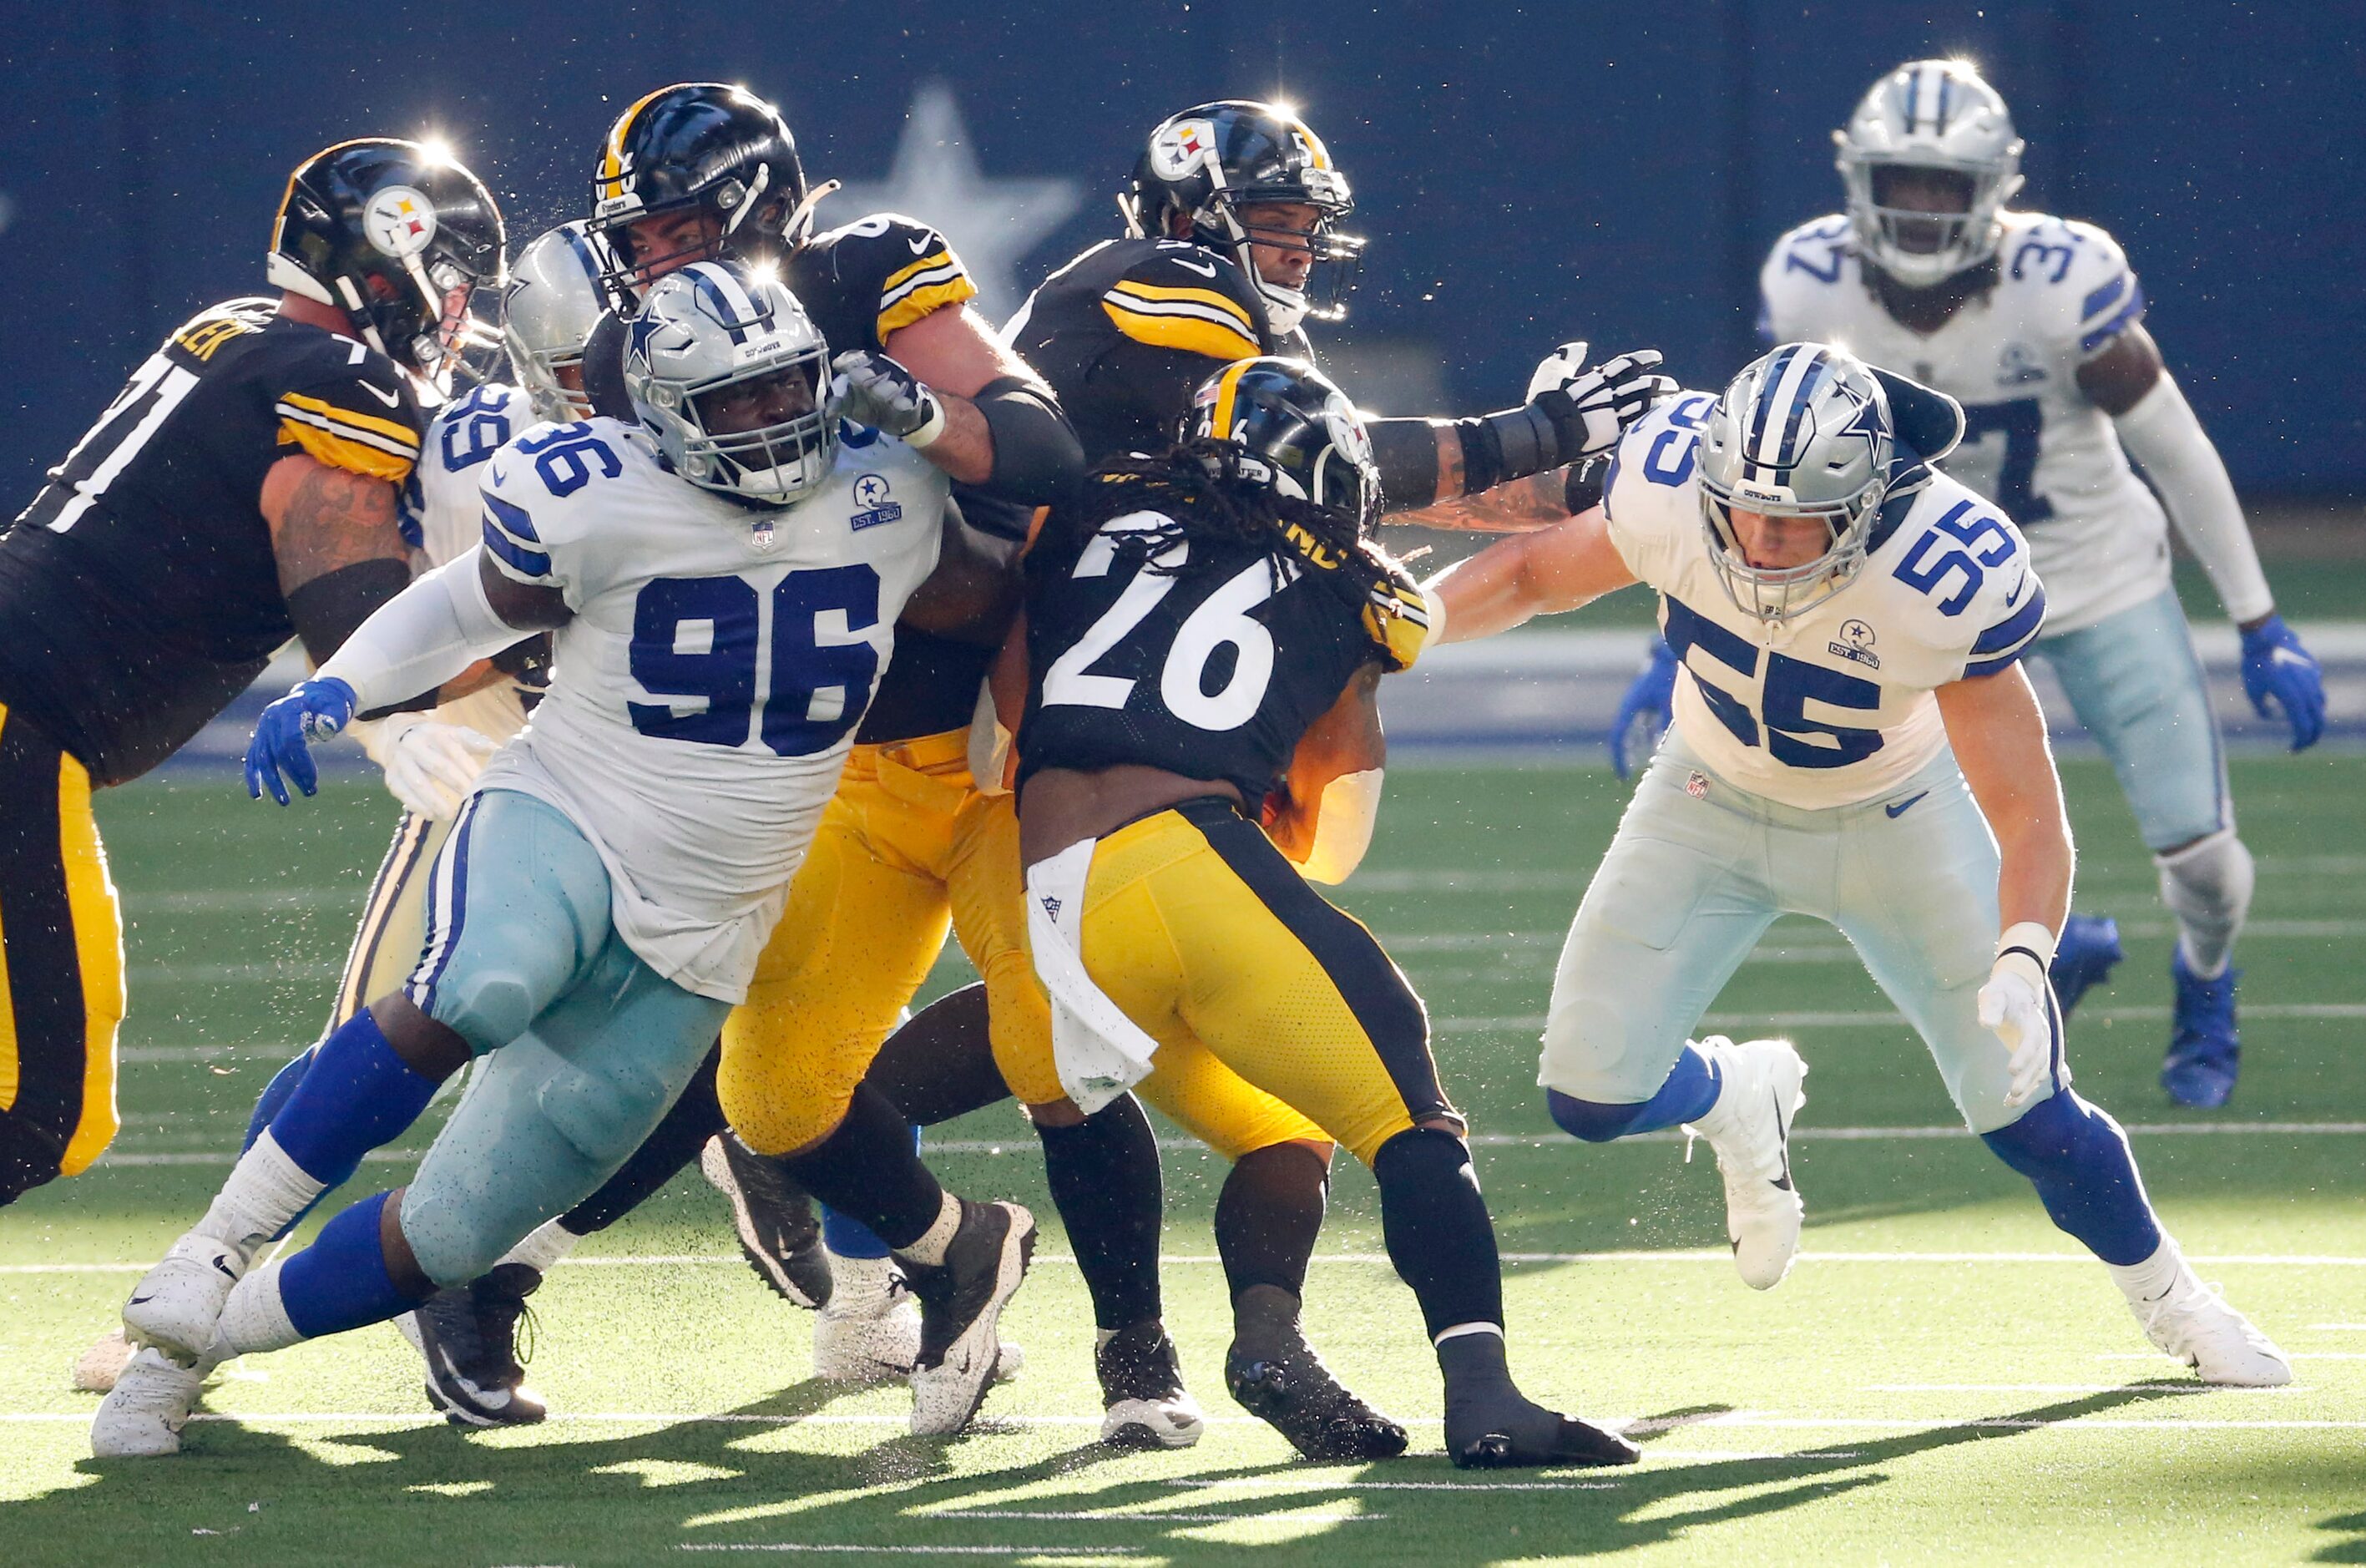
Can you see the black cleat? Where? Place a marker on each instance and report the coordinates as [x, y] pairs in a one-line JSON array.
[[961, 1308], [1145, 1404], [1490, 1424], [778, 1231], [467, 1335], [1295, 1394]]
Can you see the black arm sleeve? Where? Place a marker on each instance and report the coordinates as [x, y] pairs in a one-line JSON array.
[[1037, 457], [327, 610], [1407, 451], [1495, 448]]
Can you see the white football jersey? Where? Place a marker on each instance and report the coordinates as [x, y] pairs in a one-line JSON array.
[[2032, 441], [703, 696], [440, 515], [1833, 706]]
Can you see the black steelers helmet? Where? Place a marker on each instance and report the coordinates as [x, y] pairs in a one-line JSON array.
[[707, 145], [1302, 428], [1212, 161], [396, 234]]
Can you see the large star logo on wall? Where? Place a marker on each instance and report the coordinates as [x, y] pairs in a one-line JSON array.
[[994, 224]]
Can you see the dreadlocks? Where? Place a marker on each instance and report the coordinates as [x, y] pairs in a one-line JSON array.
[[1214, 490]]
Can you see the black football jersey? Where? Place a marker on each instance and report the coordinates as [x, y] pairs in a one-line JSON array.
[[1126, 332], [1209, 660], [139, 589]]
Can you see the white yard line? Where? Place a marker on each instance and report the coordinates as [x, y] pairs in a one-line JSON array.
[[1879, 1017], [1126, 1552], [1102, 1517]]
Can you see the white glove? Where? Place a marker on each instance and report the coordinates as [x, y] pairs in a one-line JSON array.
[[1588, 408], [2017, 1006], [430, 766], [870, 388]]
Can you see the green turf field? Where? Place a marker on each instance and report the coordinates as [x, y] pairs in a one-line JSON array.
[[1939, 1379]]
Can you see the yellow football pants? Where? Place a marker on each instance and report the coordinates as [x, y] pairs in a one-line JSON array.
[[393, 929], [60, 966], [1204, 935], [906, 849]]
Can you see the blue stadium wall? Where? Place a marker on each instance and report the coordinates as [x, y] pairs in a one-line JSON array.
[[1526, 173]]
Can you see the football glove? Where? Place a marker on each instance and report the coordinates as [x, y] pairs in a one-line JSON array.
[[312, 710], [2017, 1006], [430, 766], [2277, 668], [1588, 408], [1642, 715], [870, 388]]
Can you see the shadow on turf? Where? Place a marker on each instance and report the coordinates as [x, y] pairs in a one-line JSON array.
[[713, 1485]]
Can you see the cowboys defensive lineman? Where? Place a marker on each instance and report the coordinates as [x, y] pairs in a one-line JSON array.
[[1853, 741], [2035, 324], [721, 581]]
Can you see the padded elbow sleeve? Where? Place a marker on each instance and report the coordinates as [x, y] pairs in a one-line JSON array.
[[1406, 453], [1037, 457]]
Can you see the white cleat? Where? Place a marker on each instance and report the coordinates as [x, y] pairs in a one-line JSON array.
[[103, 1363], [142, 1416], [2194, 1323], [869, 1330], [178, 1304], [1750, 1128], [961, 1302]]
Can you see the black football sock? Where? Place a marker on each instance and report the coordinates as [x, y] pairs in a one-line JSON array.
[[1106, 1182], [939, 1062], [696, 1117], [1437, 1229], [869, 1170], [1268, 1216]]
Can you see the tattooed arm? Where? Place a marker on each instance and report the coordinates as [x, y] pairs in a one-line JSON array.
[[1517, 506]]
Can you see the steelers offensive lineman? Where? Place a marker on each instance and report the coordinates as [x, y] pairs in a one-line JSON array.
[[721, 583], [1855, 740], [1207, 631], [240, 491], [2035, 324]]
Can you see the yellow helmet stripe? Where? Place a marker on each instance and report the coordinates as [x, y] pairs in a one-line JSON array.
[[1221, 425], [612, 155]]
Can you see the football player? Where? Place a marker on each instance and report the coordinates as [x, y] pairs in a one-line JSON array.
[[1232, 218], [242, 490], [1207, 630], [604, 893], [2035, 324], [1855, 740]]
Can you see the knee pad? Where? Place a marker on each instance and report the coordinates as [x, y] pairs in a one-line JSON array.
[[488, 1006], [1590, 1120], [2207, 885], [1425, 1154], [603, 1113]]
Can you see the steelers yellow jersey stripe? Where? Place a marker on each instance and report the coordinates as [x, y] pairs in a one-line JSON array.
[[371, 462], [1209, 299], [356, 424], [939, 258], [1189, 333], [923, 302]]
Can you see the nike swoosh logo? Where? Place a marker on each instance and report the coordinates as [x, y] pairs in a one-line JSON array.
[[2014, 597], [919, 246], [1783, 1138], [1903, 806], [391, 400], [140, 1301], [222, 1265], [1205, 269]]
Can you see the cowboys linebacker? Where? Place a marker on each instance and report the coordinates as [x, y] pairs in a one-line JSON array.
[[1853, 741]]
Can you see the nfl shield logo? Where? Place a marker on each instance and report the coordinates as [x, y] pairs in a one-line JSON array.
[[1697, 786], [762, 538]]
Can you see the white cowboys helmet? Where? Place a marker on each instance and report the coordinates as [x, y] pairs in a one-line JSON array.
[[1811, 431], [1929, 114], [553, 302], [702, 332]]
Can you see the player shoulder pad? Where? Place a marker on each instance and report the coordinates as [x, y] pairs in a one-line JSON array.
[[2082, 292], [1805, 269], [464, 434], [1970, 569], [541, 492], [1397, 618], [347, 405], [1174, 294], [908, 266], [1647, 494]]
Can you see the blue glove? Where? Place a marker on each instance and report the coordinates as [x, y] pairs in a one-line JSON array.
[[1643, 711], [2276, 666], [312, 710]]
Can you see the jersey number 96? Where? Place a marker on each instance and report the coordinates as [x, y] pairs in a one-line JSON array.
[[709, 640]]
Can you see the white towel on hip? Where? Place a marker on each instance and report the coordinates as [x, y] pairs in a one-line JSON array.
[[1098, 1051]]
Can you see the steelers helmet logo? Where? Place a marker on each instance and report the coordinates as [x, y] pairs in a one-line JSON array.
[[399, 222], [1182, 147]]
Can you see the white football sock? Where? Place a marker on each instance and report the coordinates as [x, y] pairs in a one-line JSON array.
[[930, 1250], [2207, 886], [255, 1319], [549, 1242], [2146, 1283], [266, 1190]]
